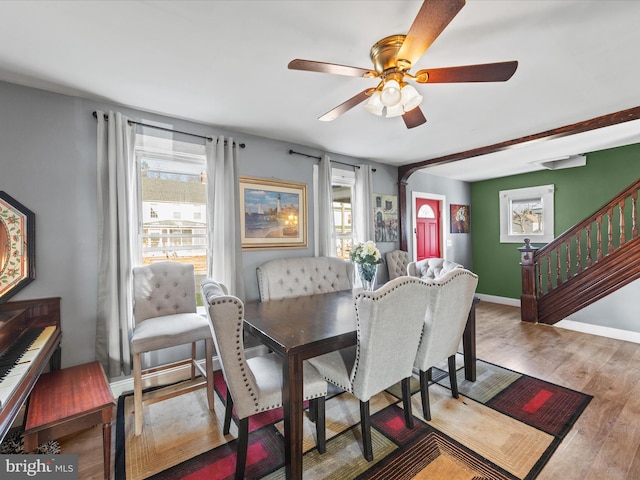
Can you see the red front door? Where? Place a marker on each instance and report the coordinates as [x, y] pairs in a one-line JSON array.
[[427, 228]]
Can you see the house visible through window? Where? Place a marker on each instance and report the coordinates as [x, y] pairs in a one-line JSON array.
[[342, 184], [172, 203], [527, 213]]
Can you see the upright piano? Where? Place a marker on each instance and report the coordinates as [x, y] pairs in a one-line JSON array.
[[30, 335]]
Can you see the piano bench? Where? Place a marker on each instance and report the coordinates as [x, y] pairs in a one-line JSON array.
[[69, 400]]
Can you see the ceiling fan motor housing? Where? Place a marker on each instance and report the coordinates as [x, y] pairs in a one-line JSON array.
[[384, 53]]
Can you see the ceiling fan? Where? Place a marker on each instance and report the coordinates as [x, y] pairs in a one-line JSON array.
[[392, 59]]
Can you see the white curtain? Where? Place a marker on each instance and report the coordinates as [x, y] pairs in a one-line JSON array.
[[117, 231], [224, 261], [363, 204], [326, 227]]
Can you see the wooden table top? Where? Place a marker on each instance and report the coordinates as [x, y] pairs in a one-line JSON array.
[[304, 324], [71, 392]]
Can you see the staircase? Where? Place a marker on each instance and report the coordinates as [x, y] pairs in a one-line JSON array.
[[587, 262]]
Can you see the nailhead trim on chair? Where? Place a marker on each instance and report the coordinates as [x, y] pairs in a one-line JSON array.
[[240, 347], [375, 294]]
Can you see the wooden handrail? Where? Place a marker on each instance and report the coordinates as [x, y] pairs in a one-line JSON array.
[[572, 253], [630, 191]]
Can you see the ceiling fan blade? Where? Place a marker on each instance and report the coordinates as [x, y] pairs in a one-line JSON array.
[[346, 106], [433, 17], [486, 72], [334, 68], [414, 118]]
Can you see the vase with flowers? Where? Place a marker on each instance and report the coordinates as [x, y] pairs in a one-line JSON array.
[[366, 256]]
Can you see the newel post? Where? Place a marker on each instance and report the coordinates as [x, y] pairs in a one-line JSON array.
[[529, 299]]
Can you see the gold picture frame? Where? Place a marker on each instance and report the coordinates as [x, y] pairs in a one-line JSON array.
[[17, 246], [273, 213]]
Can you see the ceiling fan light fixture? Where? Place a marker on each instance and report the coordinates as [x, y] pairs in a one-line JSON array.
[[391, 95], [375, 105], [410, 98], [395, 111]]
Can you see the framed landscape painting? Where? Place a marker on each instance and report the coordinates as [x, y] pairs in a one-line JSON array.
[[273, 213]]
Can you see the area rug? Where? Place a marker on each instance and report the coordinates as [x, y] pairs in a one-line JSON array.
[[13, 444], [506, 425]]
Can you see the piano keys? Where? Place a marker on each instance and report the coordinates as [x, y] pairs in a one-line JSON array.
[[19, 358], [30, 335]]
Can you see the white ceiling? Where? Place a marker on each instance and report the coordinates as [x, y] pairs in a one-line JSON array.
[[224, 63]]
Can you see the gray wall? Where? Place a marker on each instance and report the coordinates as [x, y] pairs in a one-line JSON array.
[[48, 163], [457, 245]]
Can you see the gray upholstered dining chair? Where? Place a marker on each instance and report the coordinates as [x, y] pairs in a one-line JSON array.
[[431, 268], [450, 298], [397, 261], [165, 315], [254, 385], [387, 341], [298, 276]]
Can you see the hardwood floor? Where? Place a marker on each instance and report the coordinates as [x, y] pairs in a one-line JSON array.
[[605, 441]]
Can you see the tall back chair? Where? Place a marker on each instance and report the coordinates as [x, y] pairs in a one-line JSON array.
[[450, 298], [397, 262], [389, 324], [254, 385], [295, 277], [431, 268], [165, 315]]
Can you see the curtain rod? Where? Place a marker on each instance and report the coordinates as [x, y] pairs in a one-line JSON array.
[[291, 152], [132, 122]]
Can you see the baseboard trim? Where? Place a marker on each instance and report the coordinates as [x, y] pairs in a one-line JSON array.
[[182, 372], [513, 302], [599, 330]]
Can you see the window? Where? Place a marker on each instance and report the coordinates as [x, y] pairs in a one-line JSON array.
[[342, 184], [172, 189], [527, 213], [426, 212]]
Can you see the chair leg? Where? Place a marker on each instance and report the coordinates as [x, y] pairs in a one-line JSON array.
[[228, 413], [241, 451], [193, 359], [321, 436], [137, 392], [365, 425], [208, 363], [453, 379], [406, 401], [424, 393], [313, 409]]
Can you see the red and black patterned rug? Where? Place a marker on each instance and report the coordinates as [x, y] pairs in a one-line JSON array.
[[506, 425]]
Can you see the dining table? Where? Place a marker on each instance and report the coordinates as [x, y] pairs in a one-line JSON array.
[[303, 327]]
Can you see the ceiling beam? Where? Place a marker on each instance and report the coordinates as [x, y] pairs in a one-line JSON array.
[[405, 171]]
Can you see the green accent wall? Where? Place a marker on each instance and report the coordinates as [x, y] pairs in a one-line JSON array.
[[579, 192]]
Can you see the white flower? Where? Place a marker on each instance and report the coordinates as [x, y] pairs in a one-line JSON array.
[[366, 252]]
